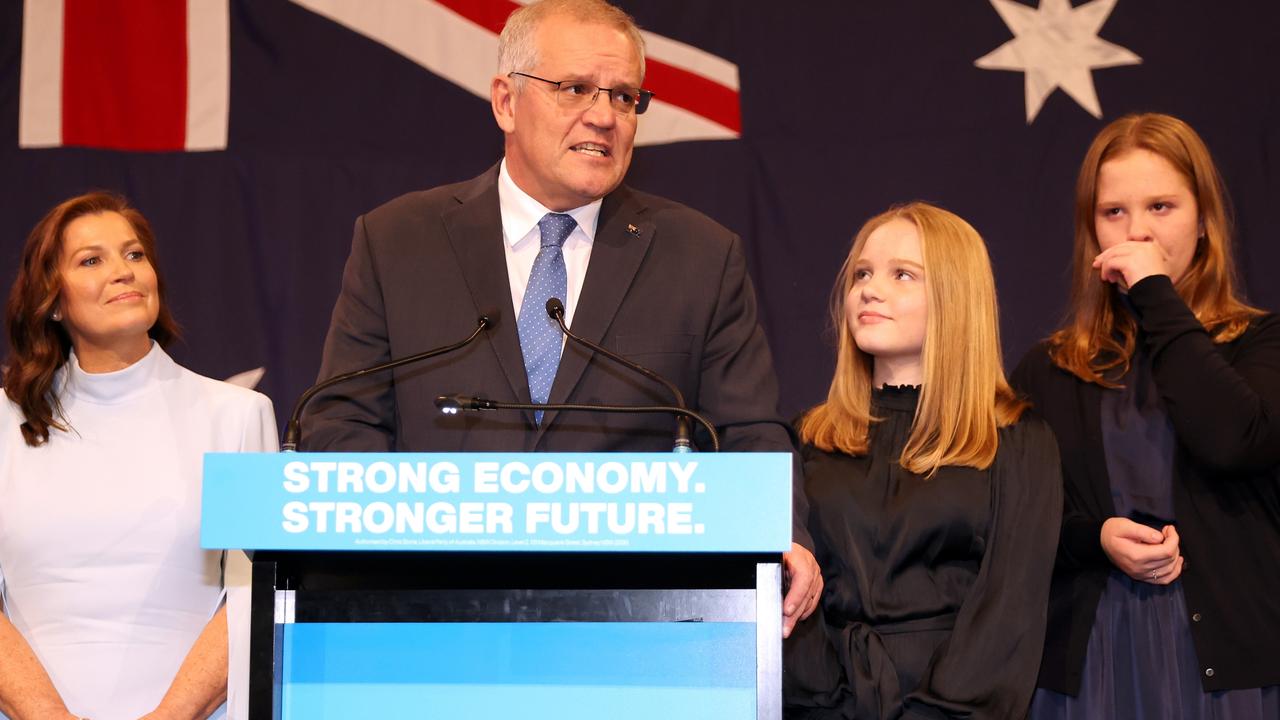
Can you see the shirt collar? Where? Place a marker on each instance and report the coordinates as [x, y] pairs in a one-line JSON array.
[[521, 213]]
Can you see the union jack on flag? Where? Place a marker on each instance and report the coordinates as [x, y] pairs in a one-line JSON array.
[[127, 75]]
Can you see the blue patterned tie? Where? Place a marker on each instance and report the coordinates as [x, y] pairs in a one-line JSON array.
[[539, 334]]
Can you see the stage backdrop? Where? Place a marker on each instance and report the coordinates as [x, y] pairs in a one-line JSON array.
[[253, 132]]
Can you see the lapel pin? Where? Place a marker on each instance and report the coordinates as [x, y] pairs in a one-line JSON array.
[[635, 231]]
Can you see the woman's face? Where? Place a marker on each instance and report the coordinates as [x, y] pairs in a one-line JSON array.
[[1143, 198], [109, 298], [886, 308]]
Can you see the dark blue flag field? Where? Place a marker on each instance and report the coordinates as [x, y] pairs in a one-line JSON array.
[[253, 132]]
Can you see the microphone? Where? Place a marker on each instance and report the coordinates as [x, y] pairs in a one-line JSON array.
[[454, 404], [293, 429], [684, 437]]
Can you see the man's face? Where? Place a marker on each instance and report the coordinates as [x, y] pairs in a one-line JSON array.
[[568, 158]]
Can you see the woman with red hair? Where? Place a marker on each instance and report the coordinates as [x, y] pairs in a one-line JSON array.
[[110, 607], [1163, 388]]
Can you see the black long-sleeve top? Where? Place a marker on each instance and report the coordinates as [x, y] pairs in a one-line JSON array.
[[1224, 403], [934, 605]]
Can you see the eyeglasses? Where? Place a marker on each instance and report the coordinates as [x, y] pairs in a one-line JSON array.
[[579, 95]]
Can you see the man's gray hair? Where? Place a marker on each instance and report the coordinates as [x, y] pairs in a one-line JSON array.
[[518, 47]]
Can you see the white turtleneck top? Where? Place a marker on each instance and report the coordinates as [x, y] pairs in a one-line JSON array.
[[101, 568]]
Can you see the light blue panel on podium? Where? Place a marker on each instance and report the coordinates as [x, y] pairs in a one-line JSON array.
[[498, 502], [565, 671]]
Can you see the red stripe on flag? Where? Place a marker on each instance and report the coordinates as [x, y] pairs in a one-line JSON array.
[[696, 93], [676, 86], [124, 74], [488, 14]]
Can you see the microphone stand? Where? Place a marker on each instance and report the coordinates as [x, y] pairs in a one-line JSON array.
[[454, 404], [293, 430], [684, 436]]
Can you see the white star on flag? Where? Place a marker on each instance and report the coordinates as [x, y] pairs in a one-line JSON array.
[[1057, 46], [248, 378]]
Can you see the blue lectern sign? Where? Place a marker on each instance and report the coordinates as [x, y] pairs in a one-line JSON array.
[[498, 502]]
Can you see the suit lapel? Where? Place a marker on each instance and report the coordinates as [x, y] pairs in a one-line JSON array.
[[621, 243], [475, 233]]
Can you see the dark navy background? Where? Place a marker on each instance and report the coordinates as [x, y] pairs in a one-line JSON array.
[[847, 108]]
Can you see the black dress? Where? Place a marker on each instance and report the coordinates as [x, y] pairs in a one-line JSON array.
[[936, 589]]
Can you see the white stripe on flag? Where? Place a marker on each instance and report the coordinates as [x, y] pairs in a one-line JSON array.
[[466, 54], [691, 58], [667, 123], [688, 57], [427, 33], [208, 74], [40, 96]]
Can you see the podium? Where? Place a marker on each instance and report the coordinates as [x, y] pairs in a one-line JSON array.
[[484, 585]]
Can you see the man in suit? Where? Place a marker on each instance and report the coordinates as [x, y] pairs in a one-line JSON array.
[[646, 277]]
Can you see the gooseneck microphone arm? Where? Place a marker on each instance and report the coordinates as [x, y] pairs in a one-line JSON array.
[[684, 436], [293, 430], [453, 404]]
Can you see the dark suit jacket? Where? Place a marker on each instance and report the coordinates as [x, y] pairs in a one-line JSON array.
[[672, 294]]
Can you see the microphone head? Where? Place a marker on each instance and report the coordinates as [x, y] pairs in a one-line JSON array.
[[449, 404], [555, 308], [484, 322]]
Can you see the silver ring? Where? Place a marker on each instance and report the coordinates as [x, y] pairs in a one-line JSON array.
[[1154, 575]]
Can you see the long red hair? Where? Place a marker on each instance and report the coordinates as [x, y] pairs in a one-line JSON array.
[[1097, 335]]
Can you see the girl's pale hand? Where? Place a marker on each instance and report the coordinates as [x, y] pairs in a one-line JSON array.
[[1131, 261], [1143, 553]]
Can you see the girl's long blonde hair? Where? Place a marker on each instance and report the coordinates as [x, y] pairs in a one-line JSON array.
[[965, 397]]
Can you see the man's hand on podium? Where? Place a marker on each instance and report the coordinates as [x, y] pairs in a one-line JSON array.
[[804, 586]]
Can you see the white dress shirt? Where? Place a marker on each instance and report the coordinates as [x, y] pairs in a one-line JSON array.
[[522, 240]]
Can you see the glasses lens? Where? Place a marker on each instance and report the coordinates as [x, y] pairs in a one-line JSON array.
[[580, 95], [576, 94], [623, 100], [642, 101]]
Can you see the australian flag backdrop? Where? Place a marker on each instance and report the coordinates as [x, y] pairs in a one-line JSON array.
[[253, 132]]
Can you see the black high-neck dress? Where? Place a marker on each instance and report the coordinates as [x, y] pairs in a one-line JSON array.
[[936, 589]]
